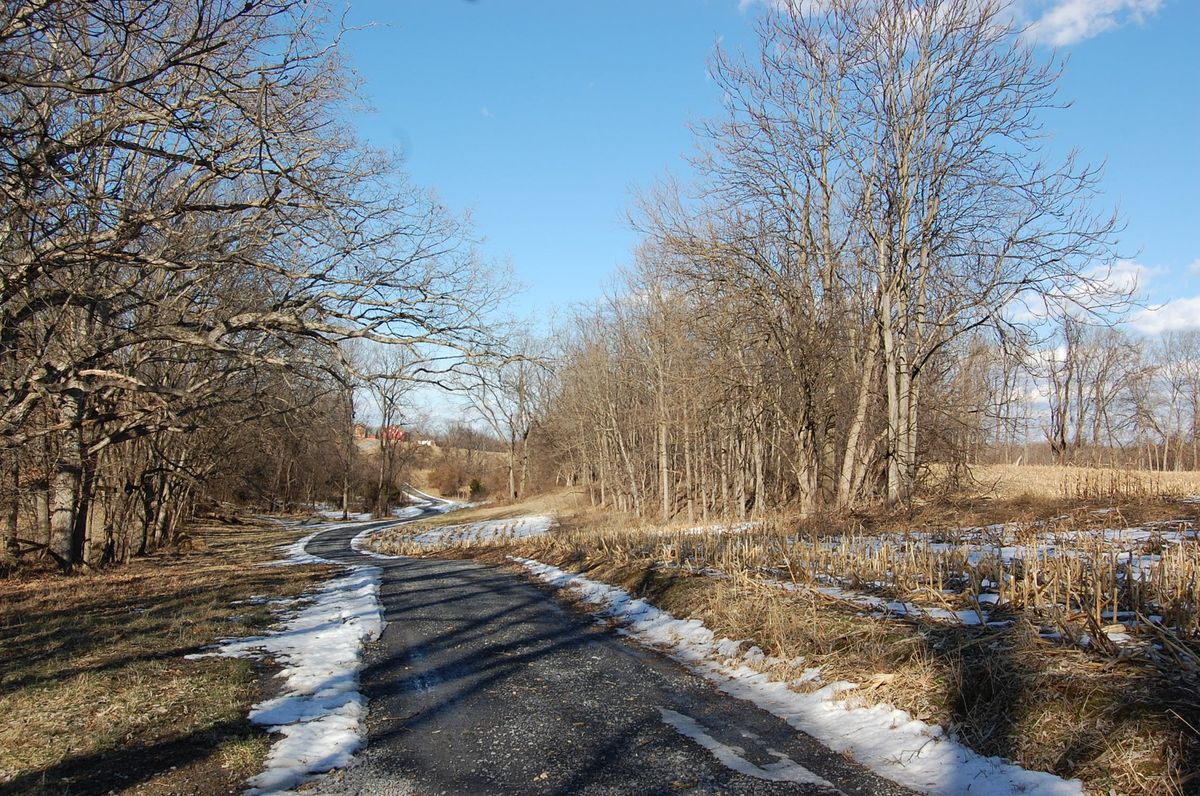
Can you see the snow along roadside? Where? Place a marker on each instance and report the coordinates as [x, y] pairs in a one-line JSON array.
[[886, 740], [319, 711]]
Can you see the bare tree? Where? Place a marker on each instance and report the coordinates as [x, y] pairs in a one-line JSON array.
[[504, 393], [389, 385], [185, 218]]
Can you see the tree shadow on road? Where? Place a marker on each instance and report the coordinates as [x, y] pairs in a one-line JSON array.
[[485, 683]]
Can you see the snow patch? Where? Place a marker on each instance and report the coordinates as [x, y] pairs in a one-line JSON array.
[[478, 532], [319, 711], [336, 514], [886, 740], [295, 553], [783, 770]]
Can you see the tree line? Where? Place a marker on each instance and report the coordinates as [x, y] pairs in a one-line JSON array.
[[1107, 397], [190, 235], [876, 213], [879, 267]]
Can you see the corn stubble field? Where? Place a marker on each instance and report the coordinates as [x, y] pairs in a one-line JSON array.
[[1053, 620]]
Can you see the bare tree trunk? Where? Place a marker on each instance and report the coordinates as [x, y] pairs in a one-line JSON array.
[[851, 460], [913, 398], [162, 517], [66, 482], [41, 513], [10, 549], [384, 484], [512, 470], [664, 474], [760, 475], [891, 375], [688, 482], [521, 484]]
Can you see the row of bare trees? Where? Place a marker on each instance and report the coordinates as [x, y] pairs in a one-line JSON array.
[[188, 236], [1112, 398], [874, 203]]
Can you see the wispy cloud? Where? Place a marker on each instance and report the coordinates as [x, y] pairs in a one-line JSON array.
[[1108, 290], [1195, 266], [1066, 22], [1125, 276], [485, 113]]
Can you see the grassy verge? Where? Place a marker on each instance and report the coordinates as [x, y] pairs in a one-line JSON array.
[[1122, 724], [95, 695]]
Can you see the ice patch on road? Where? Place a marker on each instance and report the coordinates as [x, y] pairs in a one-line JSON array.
[[783, 770], [886, 740], [319, 712]]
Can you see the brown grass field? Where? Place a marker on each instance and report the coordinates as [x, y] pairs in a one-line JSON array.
[[1008, 481], [95, 694]]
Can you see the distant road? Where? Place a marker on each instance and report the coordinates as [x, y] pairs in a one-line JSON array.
[[483, 683]]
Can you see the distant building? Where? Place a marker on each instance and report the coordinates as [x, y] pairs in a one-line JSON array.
[[393, 434]]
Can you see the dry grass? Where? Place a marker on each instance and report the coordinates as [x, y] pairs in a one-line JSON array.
[[399, 540], [95, 695], [1008, 481], [561, 502]]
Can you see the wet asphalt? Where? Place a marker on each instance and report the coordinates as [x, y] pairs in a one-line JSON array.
[[484, 683]]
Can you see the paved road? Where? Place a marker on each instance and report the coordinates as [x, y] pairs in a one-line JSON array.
[[483, 683]]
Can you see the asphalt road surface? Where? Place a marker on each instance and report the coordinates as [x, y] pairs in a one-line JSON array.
[[483, 683]]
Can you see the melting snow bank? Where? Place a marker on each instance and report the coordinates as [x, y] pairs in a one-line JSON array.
[[359, 545], [886, 740], [486, 531], [319, 711]]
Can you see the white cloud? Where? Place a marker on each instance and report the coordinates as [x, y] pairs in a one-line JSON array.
[[485, 113], [1108, 290], [1174, 316], [1195, 267], [1067, 22]]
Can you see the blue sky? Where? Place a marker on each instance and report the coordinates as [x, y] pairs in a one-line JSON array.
[[543, 118]]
